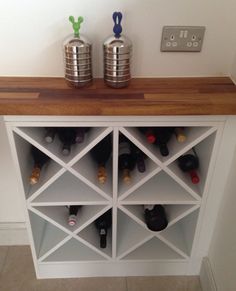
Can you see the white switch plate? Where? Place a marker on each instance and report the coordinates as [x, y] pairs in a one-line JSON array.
[[182, 38]]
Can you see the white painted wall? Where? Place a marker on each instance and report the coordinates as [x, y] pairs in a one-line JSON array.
[[11, 205], [222, 252], [233, 70], [32, 32]]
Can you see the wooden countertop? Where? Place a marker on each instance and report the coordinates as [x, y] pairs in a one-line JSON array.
[[144, 96]]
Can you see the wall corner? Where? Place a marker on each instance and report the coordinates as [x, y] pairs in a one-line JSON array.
[[206, 276]]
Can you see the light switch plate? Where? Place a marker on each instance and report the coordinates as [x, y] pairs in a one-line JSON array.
[[182, 38]]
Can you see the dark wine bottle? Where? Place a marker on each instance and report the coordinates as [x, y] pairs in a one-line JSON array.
[[155, 217], [40, 159], [189, 163], [103, 223], [180, 134], [80, 134], [139, 157], [67, 136], [73, 211], [149, 133], [50, 134], [163, 135], [101, 154], [126, 160]]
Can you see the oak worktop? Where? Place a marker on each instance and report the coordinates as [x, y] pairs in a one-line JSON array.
[[144, 96]]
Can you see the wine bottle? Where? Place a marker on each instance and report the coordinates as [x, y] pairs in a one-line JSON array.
[[180, 134], [163, 135], [190, 163], [126, 160], [155, 217], [67, 136], [80, 134], [149, 133], [103, 223], [139, 157], [73, 211], [101, 154], [40, 159], [50, 134]]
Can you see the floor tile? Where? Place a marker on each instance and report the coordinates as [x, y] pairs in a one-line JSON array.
[[18, 275], [83, 284], [163, 283], [3, 254], [193, 283], [18, 271]]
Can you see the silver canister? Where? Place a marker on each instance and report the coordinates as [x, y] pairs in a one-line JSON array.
[[117, 52], [77, 51]]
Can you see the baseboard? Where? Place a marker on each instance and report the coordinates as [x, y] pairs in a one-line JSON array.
[[49, 270], [206, 276], [13, 234]]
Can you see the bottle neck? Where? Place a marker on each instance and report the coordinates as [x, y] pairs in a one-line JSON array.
[[124, 148], [34, 178], [103, 237], [194, 177], [102, 174], [148, 206], [126, 176]]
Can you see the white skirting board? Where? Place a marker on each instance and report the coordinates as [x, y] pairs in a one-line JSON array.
[[13, 233], [110, 269], [206, 276]]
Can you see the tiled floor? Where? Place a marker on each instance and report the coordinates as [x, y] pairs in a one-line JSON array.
[[17, 274]]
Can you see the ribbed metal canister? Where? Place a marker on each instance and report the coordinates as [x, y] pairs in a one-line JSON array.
[[117, 51], [77, 57]]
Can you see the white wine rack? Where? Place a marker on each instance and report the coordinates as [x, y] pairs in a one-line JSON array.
[[60, 250]]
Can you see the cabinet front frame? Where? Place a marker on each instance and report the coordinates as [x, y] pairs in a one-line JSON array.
[[189, 265]]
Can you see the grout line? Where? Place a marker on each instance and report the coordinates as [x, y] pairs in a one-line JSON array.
[[126, 283]]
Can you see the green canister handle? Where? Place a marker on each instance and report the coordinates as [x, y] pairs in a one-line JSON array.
[[76, 25]]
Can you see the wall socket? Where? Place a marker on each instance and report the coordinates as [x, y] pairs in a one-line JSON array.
[[182, 38]]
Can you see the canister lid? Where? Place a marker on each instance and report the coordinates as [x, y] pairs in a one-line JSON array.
[[74, 44], [121, 45]]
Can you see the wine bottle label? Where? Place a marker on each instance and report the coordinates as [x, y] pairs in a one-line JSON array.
[[124, 148]]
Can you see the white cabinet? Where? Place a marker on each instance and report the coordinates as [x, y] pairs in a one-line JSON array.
[[60, 250]]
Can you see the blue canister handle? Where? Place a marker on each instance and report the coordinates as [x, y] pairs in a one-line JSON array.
[[117, 29]]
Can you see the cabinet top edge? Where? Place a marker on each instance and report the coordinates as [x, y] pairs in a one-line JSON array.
[[128, 120]]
